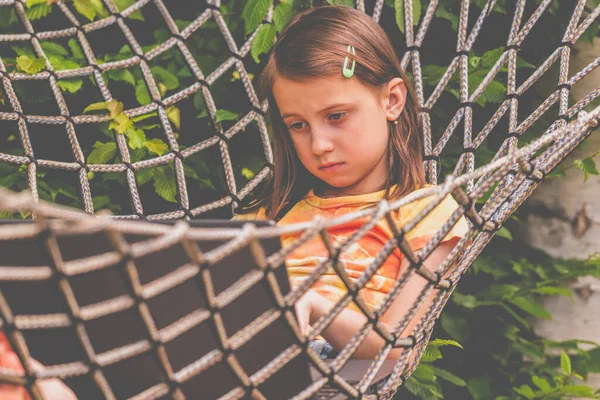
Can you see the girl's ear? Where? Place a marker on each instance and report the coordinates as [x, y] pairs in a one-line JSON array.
[[394, 98]]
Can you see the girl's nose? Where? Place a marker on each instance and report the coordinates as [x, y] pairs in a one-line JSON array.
[[321, 142]]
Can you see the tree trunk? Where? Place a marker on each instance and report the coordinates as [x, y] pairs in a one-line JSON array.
[[563, 219]]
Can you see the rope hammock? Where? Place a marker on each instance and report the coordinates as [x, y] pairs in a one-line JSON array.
[[506, 181]]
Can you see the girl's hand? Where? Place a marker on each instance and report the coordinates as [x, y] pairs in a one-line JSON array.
[[305, 310], [8, 359], [51, 389]]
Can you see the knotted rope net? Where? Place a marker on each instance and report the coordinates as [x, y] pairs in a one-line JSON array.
[[506, 182]]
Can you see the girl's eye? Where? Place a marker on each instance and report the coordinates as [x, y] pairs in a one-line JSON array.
[[296, 126], [337, 116]]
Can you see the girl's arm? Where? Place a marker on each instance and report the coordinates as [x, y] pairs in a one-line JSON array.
[[313, 306], [51, 389]]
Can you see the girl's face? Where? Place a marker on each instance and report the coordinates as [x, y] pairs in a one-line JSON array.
[[339, 128]]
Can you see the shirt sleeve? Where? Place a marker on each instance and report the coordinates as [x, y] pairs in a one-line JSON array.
[[432, 223]]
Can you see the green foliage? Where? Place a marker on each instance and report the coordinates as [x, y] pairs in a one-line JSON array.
[[31, 65], [254, 12], [416, 13], [281, 15], [263, 41], [588, 166], [90, 8], [37, 9]]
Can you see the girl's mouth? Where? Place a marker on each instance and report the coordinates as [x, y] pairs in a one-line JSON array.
[[331, 167]]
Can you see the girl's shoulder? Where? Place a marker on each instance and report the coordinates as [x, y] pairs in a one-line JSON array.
[[438, 215], [446, 206], [258, 214]]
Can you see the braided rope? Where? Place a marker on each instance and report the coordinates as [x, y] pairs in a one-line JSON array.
[[513, 174], [54, 222]]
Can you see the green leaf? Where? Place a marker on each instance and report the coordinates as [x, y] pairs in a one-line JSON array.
[[141, 93], [579, 391], [156, 146], [557, 172], [7, 16], [113, 106], [431, 353], [31, 3], [174, 115], [565, 363], [446, 342], [90, 8], [205, 184], [60, 63], [424, 373], [442, 12], [225, 115], [499, 292], [102, 153], [189, 172], [23, 51], [71, 86], [282, 15], [479, 388], [169, 79], [529, 348], [494, 93], [531, 307], [136, 138], [144, 176], [448, 376], [432, 74], [467, 301], [143, 117], [422, 390], [8, 180], [123, 4], [490, 57], [31, 65], [523, 64], [38, 11], [164, 183], [102, 202], [553, 291], [542, 384], [515, 315], [588, 166], [505, 233], [247, 173], [121, 123], [75, 48], [399, 7], [263, 41], [54, 49], [254, 12], [456, 326], [199, 102], [525, 391], [123, 75]]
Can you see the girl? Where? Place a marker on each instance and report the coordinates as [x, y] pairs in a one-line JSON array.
[[346, 135]]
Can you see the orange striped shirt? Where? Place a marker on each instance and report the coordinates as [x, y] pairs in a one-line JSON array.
[[359, 255]]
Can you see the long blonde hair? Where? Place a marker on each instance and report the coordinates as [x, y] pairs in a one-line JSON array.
[[314, 44]]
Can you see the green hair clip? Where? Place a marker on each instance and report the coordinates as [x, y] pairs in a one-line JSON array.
[[349, 72]]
